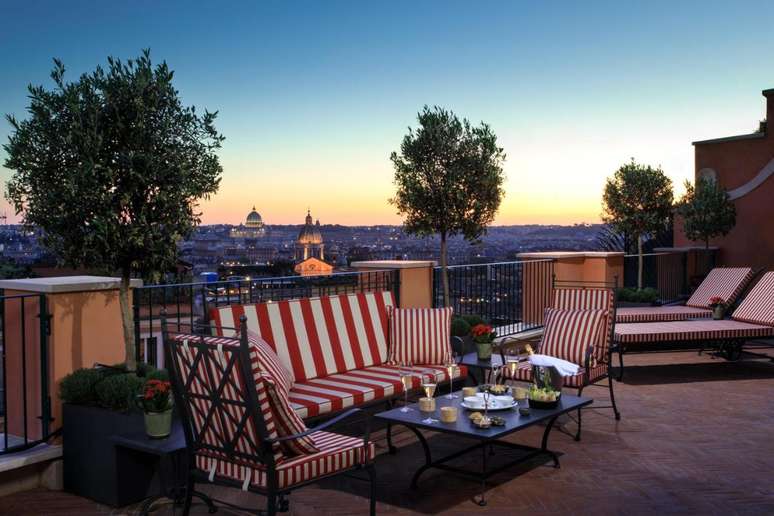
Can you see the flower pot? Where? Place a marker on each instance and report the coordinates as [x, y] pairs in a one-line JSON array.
[[158, 424], [484, 350], [718, 312]]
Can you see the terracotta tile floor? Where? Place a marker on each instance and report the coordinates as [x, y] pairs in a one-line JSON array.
[[696, 437]]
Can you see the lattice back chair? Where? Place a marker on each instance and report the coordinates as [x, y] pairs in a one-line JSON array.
[[230, 426]]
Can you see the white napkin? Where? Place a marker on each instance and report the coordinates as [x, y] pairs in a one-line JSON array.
[[564, 367]]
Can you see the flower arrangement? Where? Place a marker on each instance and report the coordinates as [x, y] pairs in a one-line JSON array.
[[156, 396], [483, 334], [717, 301]]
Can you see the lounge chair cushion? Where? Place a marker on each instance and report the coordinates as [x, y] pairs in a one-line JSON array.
[[723, 282], [569, 334], [661, 313], [420, 335], [340, 391], [269, 362], [337, 453], [758, 306], [696, 330]]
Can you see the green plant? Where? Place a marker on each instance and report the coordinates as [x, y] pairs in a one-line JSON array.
[[637, 201], [707, 210], [449, 180], [156, 396], [109, 170], [157, 374], [459, 327], [119, 391], [638, 295], [79, 387], [474, 320]]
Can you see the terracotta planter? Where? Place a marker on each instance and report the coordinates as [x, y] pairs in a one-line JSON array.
[[158, 424]]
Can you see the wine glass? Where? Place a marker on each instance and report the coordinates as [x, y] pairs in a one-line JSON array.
[[429, 387], [405, 378], [451, 367]]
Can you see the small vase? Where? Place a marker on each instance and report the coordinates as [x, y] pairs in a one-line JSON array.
[[484, 350], [718, 312], [158, 424]]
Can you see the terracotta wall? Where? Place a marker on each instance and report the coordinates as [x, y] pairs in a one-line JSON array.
[[736, 161]]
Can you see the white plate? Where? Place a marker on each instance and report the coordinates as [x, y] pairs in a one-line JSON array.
[[493, 405]]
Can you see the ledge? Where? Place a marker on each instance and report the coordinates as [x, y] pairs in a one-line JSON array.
[[393, 264], [751, 136], [63, 284], [571, 254]]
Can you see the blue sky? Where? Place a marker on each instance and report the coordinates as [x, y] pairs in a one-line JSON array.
[[313, 96]]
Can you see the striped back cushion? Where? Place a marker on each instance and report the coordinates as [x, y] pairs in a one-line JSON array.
[[724, 282], [420, 335], [317, 337], [569, 333], [758, 306], [219, 420], [590, 299], [269, 363]]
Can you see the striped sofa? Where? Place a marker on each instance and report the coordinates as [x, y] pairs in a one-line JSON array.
[[754, 318], [335, 348], [726, 283]]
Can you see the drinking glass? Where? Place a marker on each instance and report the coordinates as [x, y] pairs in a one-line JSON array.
[[429, 388], [451, 367], [405, 378]]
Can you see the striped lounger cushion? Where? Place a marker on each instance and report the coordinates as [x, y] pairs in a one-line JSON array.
[[758, 306], [524, 374], [420, 335], [661, 313], [337, 453], [340, 391], [317, 337], [724, 282], [696, 330]]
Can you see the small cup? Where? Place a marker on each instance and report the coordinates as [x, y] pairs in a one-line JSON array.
[[448, 414], [469, 391], [520, 393], [427, 404]]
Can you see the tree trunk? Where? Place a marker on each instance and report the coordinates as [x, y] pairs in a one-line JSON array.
[[639, 262], [127, 317], [444, 271]]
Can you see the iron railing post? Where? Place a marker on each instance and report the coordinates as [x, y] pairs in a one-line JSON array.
[[45, 332]]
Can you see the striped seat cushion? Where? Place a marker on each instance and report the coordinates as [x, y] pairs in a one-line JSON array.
[[317, 337], [661, 313], [758, 306], [723, 282], [593, 298], [219, 426], [337, 453], [340, 391], [420, 335], [689, 331], [524, 374], [569, 334]]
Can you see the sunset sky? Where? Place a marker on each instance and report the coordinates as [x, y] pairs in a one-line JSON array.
[[313, 96]]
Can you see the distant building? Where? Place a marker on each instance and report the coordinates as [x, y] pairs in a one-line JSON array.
[[252, 228], [313, 267], [744, 166], [310, 250]]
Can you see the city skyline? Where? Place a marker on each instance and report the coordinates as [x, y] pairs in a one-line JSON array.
[[314, 97]]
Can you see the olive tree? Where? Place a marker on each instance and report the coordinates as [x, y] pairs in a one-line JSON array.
[[111, 168], [449, 180], [637, 201], [706, 210]]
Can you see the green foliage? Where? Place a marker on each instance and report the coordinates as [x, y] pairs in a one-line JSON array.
[[119, 391], [707, 210], [157, 374], [448, 178], [638, 295], [474, 320], [459, 327], [111, 167], [79, 387], [10, 270]]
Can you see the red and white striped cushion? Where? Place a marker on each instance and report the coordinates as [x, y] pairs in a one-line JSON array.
[[724, 282], [660, 314], [287, 421], [758, 306], [697, 330], [590, 299], [420, 335], [568, 334], [337, 453], [217, 426], [317, 337], [269, 362], [333, 393]]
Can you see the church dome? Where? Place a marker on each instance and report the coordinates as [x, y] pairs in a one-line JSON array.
[[310, 233], [254, 219]]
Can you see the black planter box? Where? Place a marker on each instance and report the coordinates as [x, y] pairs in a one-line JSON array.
[[93, 468]]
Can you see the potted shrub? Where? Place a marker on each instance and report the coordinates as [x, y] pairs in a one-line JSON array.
[[483, 335], [718, 308], [637, 296], [156, 401], [98, 404]]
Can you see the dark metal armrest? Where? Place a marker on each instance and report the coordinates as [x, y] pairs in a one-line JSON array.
[[319, 427]]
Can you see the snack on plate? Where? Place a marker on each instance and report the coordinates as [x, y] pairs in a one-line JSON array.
[[545, 394], [497, 421], [497, 390], [475, 416]]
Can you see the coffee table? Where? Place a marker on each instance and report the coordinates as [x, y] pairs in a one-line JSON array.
[[486, 439]]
